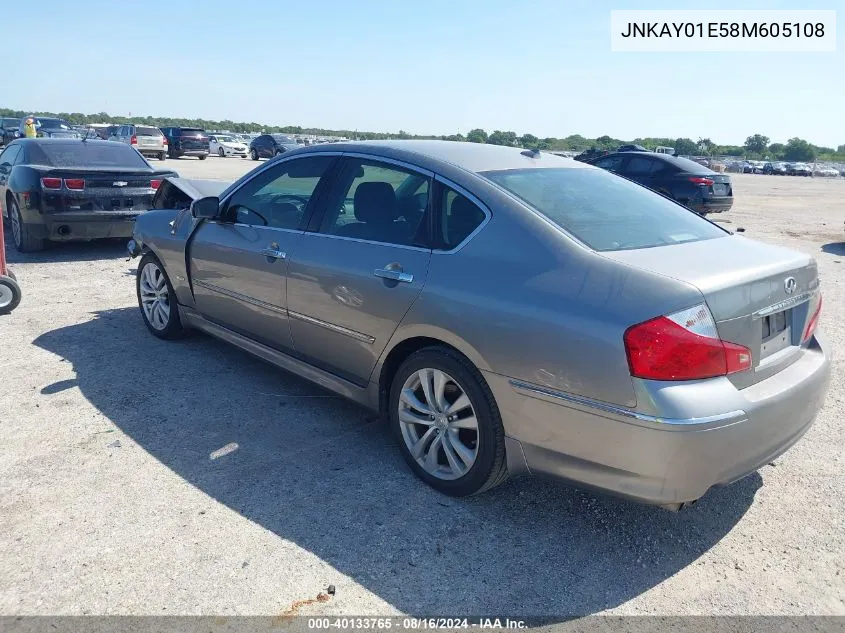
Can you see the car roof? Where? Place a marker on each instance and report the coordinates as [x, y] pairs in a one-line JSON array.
[[473, 157]]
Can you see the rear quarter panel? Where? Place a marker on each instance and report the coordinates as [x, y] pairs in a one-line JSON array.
[[522, 300]]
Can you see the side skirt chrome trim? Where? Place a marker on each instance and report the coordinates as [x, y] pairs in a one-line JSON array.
[[566, 399], [283, 361], [240, 297], [365, 338]]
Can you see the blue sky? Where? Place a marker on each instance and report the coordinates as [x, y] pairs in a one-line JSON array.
[[435, 67]]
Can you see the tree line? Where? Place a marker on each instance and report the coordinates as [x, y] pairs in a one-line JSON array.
[[755, 146]]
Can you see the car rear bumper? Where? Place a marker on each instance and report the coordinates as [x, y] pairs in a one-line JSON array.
[[86, 226], [713, 205], [663, 460], [191, 152]]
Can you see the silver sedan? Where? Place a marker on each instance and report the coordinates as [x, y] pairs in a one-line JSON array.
[[507, 311]]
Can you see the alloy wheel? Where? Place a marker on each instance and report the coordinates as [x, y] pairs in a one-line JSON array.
[[15, 219], [438, 424], [155, 297]]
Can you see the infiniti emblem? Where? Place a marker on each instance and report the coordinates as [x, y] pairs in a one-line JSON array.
[[119, 183], [789, 284]]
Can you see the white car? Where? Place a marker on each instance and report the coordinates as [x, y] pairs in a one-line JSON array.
[[226, 145]]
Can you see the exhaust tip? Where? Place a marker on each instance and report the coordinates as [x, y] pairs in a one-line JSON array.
[[677, 507], [64, 229]]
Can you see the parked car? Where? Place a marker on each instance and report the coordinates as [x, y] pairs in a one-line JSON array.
[[227, 145], [269, 145], [799, 169], [70, 189], [632, 148], [106, 133], [631, 346], [46, 127], [777, 169], [186, 141], [693, 185], [148, 140], [9, 130], [825, 172], [591, 154]]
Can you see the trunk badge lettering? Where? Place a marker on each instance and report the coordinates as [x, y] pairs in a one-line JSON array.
[[789, 285], [119, 183]]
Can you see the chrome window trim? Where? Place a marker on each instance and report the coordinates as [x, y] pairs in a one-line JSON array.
[[391, 161], [240, 297], [720, 419], [356, 239], [359, 336], [476, 201]]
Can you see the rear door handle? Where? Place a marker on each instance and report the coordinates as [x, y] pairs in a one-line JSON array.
[[395, 275], [274, 253]]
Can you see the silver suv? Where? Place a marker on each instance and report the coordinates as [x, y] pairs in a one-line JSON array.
[[146, 139]]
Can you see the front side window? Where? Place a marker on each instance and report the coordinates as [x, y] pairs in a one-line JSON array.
[[379, 203], [605, 212], [278, 197]]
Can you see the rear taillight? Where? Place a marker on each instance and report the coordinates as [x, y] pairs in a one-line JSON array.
[[76, 184], [813, 323], [164, 141], [133, 140], [682, 346], [51, 183], [155, 184], [698, 180]]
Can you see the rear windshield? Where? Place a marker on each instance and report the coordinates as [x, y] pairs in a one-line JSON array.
[[52, 124], [192, 131], [92, 154], [10, 122], [147, 131], [604, 211], [684, 164]]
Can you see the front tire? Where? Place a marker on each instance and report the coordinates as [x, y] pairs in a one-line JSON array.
[[157, 300], [221, 153], [253, 154], [22, 234], [447, 423]]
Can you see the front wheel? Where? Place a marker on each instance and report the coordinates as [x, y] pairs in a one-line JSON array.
[[157, 299], [10, 294], [221, 153], [447, 423], [253, 154]]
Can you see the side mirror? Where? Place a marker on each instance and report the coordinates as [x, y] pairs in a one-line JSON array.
[[206, 208]]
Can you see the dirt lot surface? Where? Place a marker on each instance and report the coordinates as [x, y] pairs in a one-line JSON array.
[[145, 477]]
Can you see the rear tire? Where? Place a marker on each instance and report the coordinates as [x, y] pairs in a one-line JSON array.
[[162, 156], [470, 435], [157, 300], [203, 157], [22, 234], [10, 294]]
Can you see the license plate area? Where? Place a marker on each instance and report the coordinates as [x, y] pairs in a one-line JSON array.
[[776, 333], [720, 190]]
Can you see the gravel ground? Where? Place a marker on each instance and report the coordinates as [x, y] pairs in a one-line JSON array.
[[145, 477]]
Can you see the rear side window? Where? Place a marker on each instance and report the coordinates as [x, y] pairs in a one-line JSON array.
[[8, 155], [605, 212], [640, 166], [610, 163], [458, 218], [79, 154]]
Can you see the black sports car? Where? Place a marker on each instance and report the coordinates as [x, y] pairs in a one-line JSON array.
[[72, 189]]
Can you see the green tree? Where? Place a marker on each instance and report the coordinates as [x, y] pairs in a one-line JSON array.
[[776, 150], [502, 138], [685, 147], [756, 144], [799, 150], [529, 140], [840, 149], [477, 136]]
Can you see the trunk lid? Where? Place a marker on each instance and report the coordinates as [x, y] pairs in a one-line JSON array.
[[761, 296], [103, 190]]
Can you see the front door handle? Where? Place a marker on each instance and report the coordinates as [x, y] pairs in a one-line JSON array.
[[274, 252], [394, 275]]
